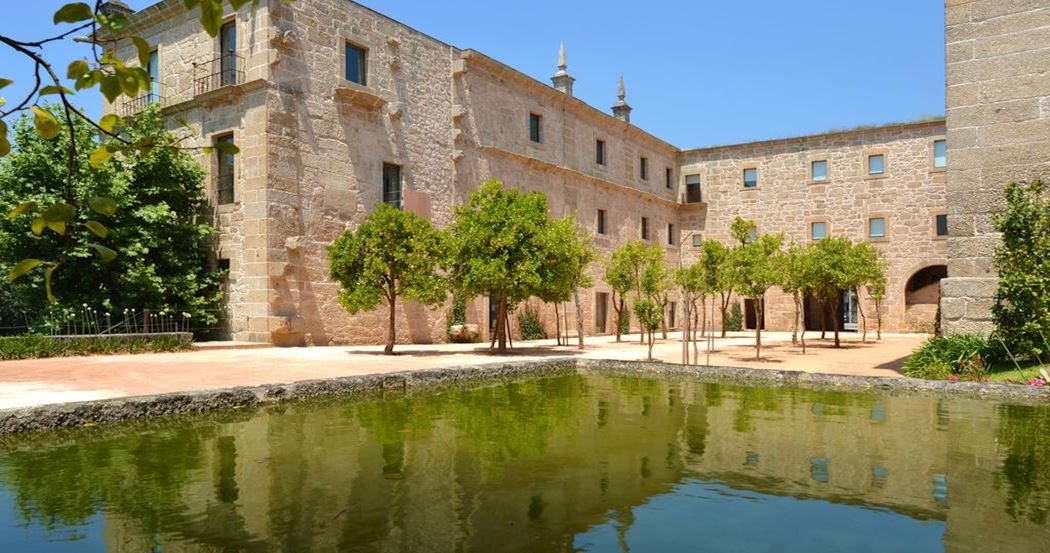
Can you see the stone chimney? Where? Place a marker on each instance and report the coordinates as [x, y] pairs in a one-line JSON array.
[[621, 110], [113, 7], [562, 79]]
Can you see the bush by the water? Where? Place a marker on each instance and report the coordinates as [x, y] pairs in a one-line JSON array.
[[953, 354], [35, 346], [529, 323]]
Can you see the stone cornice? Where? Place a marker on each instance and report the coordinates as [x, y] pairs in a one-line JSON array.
[[933, 123], [579, 107], [554, 167]]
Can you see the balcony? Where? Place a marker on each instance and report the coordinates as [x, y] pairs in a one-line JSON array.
[[223, 71], [135, 106]]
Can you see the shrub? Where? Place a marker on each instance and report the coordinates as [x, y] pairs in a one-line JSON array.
[[1022, 308], [35, 346], [529, 323], [960, 354], [625, 321], [735, 321]]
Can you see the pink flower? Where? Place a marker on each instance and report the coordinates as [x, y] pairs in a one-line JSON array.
[[1038, 382], [953, 378]]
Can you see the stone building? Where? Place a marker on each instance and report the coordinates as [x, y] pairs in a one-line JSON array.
[[336, 108], [998, 110]]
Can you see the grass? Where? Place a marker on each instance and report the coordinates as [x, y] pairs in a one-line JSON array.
[[31, 346], [1008, 373]]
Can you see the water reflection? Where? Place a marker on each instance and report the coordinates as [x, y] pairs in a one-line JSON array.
[[561, 464]]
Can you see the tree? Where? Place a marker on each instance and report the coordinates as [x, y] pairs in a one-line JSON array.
[[832, 274], [759, 268], [164, 261], [500, 244], [878, 293], [796, 280], [1022, 300], [649, 316], [867, 267], [66, 215], [565, 240], [393, 254], [624, 272], [722, 275]]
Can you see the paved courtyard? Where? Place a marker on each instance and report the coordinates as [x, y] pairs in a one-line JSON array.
[[59, 380]]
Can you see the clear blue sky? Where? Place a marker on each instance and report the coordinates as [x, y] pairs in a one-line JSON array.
[[698, 72]]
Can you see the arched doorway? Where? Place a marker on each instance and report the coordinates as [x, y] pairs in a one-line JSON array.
[[922, 295]]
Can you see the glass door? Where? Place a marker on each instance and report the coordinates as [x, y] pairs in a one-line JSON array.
[[850, 311]]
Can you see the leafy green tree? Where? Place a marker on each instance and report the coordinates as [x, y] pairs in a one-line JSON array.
[[832, 275], [629, 267], [164, 261], [649, 316], [867, 269], [721, 270], [565, 239], [621, 277], [760, 269], [1022, 301], [501, 245], [393, 254], [796, 280], [100, 68]]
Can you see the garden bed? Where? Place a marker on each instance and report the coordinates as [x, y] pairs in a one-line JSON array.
[[35, 346]]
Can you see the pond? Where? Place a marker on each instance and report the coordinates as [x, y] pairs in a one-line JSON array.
[[567, 463]]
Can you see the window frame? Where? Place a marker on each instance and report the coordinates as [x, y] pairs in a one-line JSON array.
[[669, 178], [937, 226], [400, 201], [699, 189], [535, 128], [813, 174], [599, 152], [868, 155], [363, 56], [602, 223], [225, 195], [812, 227], [643, 168], [227, 57], [743, 177], [880, 237], [698, 240], [645, 234], [670, 234], [933, 155]]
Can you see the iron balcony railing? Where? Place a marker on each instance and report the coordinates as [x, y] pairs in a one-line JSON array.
[[135, 106], [225, 70]]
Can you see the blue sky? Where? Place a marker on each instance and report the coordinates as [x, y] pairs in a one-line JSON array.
[[698, 72]]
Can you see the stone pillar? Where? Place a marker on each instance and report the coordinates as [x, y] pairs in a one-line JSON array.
[[998, 113], [621, 110], [562, 80]]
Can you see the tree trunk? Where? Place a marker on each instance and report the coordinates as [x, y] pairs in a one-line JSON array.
[[510, 335], [579, 316], [823, 319], [758, 327], [794, 323], [619, 316], [863, 318], [835, 319], [878, 319], [802, 339], [557, 324], [501, 325], [663, 318], [723, 307], [391, 330], [652, 334]]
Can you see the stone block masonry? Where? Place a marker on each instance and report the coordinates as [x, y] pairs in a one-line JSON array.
[[315, 148]]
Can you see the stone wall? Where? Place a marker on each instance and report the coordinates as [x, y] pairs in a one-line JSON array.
[[908, 196], [998, 111]]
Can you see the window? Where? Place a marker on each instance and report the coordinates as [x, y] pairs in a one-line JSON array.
[[876, 164], [228, 54], [643, 165], [645, 228], [877, 227], [153, 68], [356, 64], [698, 240], [669, 178], [601, 222], [599, 152], [535, 127], [225, 175], [942, 225], [818, 231], [752, 235], [670, 234], [692, 189], [751, 178], [818, 171], [940, 154], [392, 184], [670, 314], [601, 311]]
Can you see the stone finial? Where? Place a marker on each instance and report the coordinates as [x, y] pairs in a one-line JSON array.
[[113, 7], [562, 79], [621, 110]]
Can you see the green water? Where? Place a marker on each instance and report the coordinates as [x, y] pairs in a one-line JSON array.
[[561, 464]]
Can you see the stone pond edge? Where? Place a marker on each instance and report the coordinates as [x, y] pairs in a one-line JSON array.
[[70, 415]]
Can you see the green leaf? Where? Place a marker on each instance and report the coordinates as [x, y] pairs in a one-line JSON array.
[[77, 69], [207, 150], [38, 225], [2, 101], [5, 82], [129, 81], [103, 206], [52, 89], [97, 228], [58, 227], [5, 146], [100, 156], [27, 207], [110, 87], [211, 16], [104, 252], [73, 13], [23, 267], [144, 50], [89, 79], [59, 213], [227, 148], [109, 122], [46, 124], [47, 281]]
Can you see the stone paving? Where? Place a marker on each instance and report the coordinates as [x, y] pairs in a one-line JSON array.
[[61, 380]]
